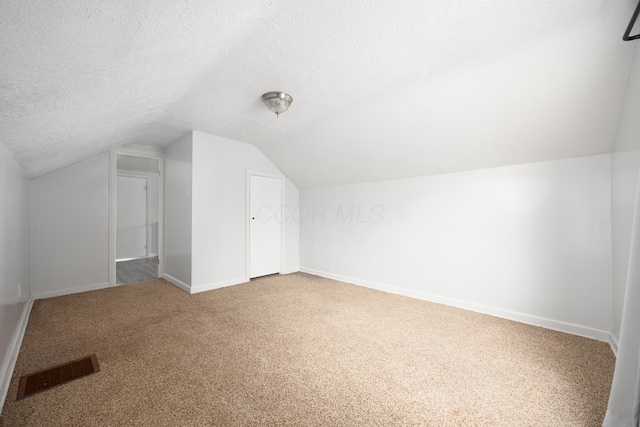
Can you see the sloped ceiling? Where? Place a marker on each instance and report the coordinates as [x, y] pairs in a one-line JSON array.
[[382, 89]]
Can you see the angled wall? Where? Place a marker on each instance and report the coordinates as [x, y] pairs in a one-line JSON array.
[[529, 242], [205, 211], [70, 229], [219, 210]]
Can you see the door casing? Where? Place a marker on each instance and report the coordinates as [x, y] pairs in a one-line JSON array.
[[113, 160]]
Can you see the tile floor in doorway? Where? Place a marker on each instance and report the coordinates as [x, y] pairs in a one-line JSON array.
[[136, 270]]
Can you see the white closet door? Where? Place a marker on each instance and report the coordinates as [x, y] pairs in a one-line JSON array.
[[131, 217], [265, 228]]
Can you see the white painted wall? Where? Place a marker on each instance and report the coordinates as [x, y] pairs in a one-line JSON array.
[[624, 176], [529, 242], [70, 229], [291, 227], [219, 210], [178, 212], [15, 282], [624, 179], [626, 256]]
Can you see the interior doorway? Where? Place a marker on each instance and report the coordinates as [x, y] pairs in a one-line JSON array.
[[136, 224]]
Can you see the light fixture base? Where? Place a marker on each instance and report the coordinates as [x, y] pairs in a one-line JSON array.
[[277, 102]]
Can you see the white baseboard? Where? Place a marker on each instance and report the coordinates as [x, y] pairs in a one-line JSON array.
[[613, 342], [610, 420], [218, 285], [6, 369], [69, 291], [290, 270], [529, 319], [176, 282], [203, 288]]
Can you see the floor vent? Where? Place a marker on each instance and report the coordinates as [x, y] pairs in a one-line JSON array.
[[52, 377]]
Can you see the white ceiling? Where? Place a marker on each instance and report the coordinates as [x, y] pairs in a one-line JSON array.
[[382, 89]]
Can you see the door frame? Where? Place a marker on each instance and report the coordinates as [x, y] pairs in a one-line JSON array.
[[251, 173], [113, 165], [130, 174]]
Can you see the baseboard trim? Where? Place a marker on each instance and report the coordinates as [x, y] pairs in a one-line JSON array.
[[529, 319], [69, 291], [610, 420], [290, 270], [6, 371], [613, 342], [218, 285], [176, 282]]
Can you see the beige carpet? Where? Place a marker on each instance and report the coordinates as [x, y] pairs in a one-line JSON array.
[[301, 350]]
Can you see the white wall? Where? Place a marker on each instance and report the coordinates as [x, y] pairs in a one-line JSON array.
[[291, 227], [70, 229], [624, 176], [219, 217], [178, 211], [529, 242], [15, 283], [626, 256]]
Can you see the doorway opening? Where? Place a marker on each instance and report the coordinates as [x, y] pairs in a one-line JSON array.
[[136, 232]]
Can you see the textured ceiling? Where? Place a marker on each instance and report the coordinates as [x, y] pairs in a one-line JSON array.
[[382, 89]]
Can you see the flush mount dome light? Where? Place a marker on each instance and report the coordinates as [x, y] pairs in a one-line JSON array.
[[277, 102]]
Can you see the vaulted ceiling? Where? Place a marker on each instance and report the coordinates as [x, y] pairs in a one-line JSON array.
[[382, 88]]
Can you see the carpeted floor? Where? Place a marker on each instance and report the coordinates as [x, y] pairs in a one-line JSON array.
[[301, 350]]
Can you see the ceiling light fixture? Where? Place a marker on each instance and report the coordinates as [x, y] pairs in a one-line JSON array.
[[277, 102]]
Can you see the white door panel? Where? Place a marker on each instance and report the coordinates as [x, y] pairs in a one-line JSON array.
[[265, 232], [131, 217]]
